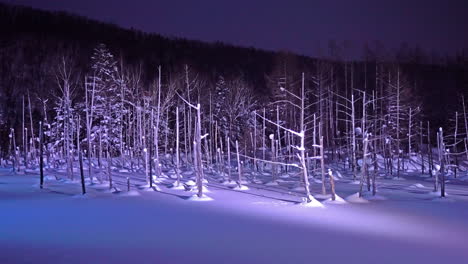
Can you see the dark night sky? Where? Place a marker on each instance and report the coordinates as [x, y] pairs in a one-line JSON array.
[[303, 27]]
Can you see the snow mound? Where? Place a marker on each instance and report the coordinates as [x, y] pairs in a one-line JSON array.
[[244, 182], [371, 197], [195, 189], [128, 194], [232, 183], [313, 203], [190, 183], [338, 200], [257, 181], [354, 198], [437, 193], [241, 188], [203, 198], [417, 185], [355, 182]]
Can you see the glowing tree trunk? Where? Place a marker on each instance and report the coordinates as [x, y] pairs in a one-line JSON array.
[[364, 171], [177, 158], [228, 146], [442, 162], [239, 168], [156, 130]]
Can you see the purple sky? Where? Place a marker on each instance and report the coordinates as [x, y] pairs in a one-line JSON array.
[[303, 27]]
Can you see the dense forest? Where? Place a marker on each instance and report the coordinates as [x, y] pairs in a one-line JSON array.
[[32, 41], [116, 92]]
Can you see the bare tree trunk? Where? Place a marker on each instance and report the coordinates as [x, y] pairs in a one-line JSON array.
[[239, 168], [83, 186], [41, 157], [254, 147], [228, 158], [302, 150], [145, 151], [376, 168], [442, 162], [364, 163], [100, 149], [156, 132], [25, 150], [33, 147], [199, 153], [398, 124], [109, 170], [455, 135], [186, 142], [264, 137], [429, 149], [353, 127], [177, 148], [421, 146], [332, 184], [278, 128], [89, 120], [189, 113], [166, 132], [322, 164], [16, 164], [150, 160], [273, 158]]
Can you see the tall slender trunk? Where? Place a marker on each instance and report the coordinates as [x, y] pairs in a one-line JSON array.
[[239, 168], [177, 167], [41, 157]]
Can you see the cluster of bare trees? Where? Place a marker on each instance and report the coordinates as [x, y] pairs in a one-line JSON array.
[[312, 123]]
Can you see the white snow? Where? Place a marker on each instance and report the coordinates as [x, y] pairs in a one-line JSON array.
[[354, 198], [241, 188], [203, 198], [338, 200]]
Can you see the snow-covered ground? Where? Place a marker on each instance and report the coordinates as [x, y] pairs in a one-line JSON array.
[[404, 223]]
